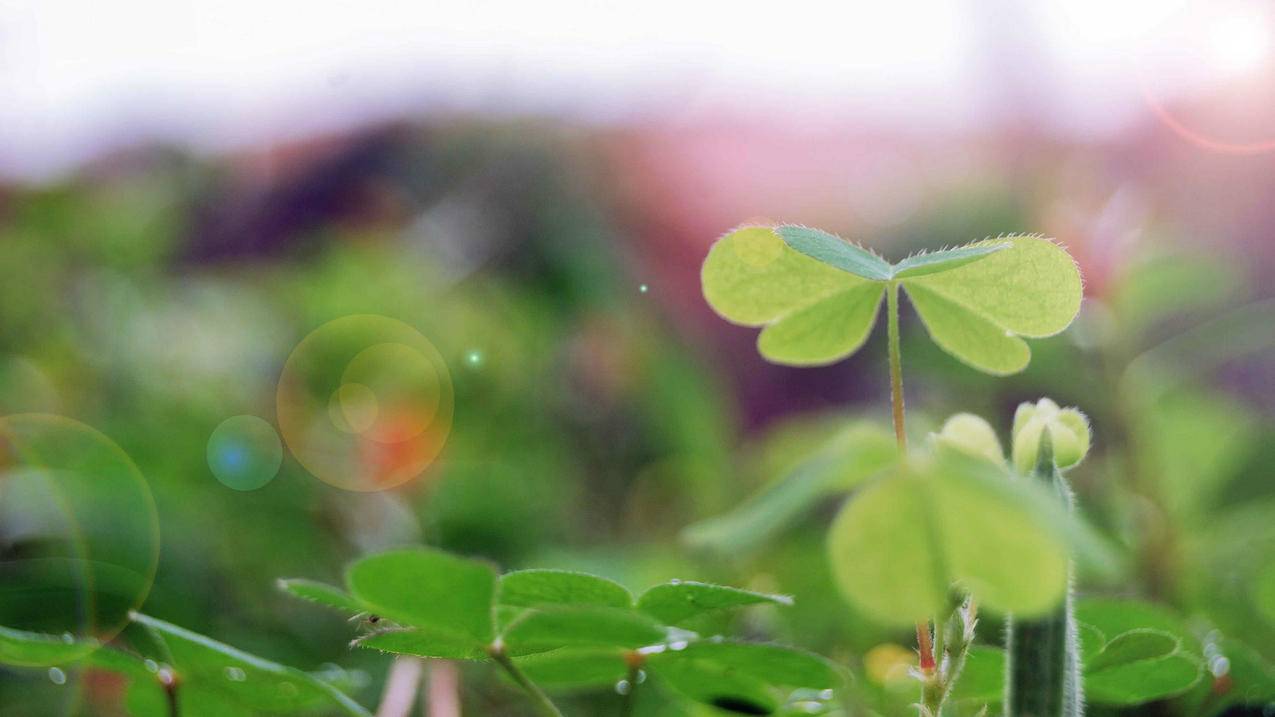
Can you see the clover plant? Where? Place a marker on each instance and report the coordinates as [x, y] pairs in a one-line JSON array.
[[931, 535]]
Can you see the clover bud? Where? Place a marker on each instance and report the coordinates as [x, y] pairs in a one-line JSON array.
[[972, 435], [1068, 432]]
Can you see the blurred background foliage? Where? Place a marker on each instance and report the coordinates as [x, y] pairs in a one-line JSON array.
[[600, 407]]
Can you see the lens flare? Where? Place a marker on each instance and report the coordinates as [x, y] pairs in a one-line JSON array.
[[79, 537], [244, 453], [365, 403]]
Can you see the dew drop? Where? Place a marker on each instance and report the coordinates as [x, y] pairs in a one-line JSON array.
[[622, 687], [1219, 666], [235, 674], [166, 676], [68, 638], [57, 676], [643, 288], [825, 694], [678, 646], [641, 676], [675, 581], [151, 666]]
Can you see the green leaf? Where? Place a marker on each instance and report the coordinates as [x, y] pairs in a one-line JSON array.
[[824, 332], [321, 594], [538, 588], [676, 602], [848, 459], [968, 336], [428, 589], [210, 671], [834, 251], [899, 546], [753, 278], [934, 262], [1140, 666], [19, 647], [983, 679], [1112, 616], [761, 662], [1132, 646], [575, 668], [713, 684], [1032, 289], [550, 628], [423, 642]]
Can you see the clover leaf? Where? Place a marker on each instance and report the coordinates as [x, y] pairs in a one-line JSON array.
[[816, 296]]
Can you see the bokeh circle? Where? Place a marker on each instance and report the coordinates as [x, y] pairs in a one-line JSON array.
[[365, 403], [79, 534], [244, 452]]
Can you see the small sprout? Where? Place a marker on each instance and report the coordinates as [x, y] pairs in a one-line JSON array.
[[1068, 432], [972, 435]]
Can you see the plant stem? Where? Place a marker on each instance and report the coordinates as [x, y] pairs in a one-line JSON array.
[[400, 687], [924, 641], [896, 364], [542, 702]]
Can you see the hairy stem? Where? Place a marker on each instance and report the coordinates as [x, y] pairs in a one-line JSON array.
[[896, 364], [543, 704], [1043, 661], [924, 640]]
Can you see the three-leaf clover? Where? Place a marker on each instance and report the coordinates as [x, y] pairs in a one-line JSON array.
[[817, 296]]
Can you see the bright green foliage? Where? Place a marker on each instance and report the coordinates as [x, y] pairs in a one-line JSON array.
[[565, 629], [430, 589], [849, 458], [899, 546], [206, 678], [983, 679], [212, 673], [817, 295], [676, 602]]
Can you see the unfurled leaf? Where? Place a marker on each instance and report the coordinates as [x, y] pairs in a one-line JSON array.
[[539, 588], [321, 594], [676, 602], [429, 589], [843, 462]]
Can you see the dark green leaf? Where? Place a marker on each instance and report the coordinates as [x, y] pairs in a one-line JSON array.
[[429, 589], [575, 668], [676, 602], [208, 668], [551, 628], [538, 588], [835, 251], [321, 594], [423, 642], [761, 662], [935, 261], [983, 679]]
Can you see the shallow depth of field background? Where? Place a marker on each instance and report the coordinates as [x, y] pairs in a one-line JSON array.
[[188, 189]]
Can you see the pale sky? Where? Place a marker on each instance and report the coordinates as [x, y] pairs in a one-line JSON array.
[[77, 76]]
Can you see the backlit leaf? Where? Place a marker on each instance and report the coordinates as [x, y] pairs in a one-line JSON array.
[[430, 589]]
